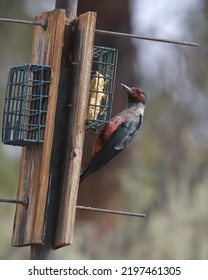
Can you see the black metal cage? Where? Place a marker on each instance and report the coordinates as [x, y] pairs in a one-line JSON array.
[[101, 87], [25, 106]]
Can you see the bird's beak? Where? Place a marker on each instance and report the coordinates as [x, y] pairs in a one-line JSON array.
[[128, 89]]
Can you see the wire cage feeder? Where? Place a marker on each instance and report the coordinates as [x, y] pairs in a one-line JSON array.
[[25, 105], [101, 87]]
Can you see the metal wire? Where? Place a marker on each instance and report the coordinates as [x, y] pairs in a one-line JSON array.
[[15, 201], [106, 32], [40, 23], [116, 212], [118, 34], [108, 211]]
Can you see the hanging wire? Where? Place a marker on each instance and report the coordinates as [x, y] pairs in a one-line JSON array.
[[106, 32], [116, 212], [108, 211], [118, 34], [40, 23], [15, 201]]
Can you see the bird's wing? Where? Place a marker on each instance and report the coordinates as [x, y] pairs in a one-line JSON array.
[[103, 149], [126, 132], [107, 133], [108, 146]]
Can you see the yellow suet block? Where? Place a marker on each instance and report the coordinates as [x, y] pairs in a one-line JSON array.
[[97, 97]]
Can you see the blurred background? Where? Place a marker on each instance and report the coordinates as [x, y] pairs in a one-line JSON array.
[[163, 173]]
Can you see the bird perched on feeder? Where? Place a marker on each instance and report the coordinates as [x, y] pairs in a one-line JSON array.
[[118, 133]]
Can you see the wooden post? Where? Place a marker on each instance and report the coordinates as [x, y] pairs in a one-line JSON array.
[[82, 60], [35, 160], [67, 147], [48, 220]]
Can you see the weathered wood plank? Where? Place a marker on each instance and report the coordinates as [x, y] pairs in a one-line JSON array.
[[35, 161], [82, 58]]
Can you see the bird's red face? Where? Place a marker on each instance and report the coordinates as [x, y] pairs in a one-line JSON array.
[[135, 94]]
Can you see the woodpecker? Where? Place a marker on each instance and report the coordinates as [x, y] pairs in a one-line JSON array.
[[118, 133]]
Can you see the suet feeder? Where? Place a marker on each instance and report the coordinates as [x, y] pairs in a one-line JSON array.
[[25, 105], [101, 87]]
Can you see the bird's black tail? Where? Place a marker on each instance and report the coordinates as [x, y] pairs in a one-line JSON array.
[[84, 173]]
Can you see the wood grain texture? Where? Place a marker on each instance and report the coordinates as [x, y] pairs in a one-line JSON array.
[[82, 59], [35, 160]]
